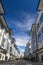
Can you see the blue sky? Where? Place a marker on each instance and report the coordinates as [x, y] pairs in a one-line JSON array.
[[20, 15]]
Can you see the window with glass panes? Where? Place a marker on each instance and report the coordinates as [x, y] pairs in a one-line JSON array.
[[0, 29], [41, 20], [39, 38], [8, 46], [10, 49], [42, 34]]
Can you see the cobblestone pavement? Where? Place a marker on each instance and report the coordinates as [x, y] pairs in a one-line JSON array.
[[20, 62]]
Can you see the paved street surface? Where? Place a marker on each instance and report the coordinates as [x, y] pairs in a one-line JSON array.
[[20, 62]]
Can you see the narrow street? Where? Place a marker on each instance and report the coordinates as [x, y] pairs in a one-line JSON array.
[[21, 32], [20, 62]]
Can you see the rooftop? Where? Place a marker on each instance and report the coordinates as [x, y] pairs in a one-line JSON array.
[[1, 8], [40, 5]]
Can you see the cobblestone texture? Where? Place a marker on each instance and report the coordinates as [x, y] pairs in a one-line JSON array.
[[20, 62]]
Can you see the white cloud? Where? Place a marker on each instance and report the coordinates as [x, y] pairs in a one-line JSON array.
[[21, 41], [26, 23], [22, 38]]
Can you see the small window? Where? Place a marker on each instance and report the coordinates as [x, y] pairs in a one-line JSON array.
[[3, 42], [0, 55], [41, 19], [0, 25], [42, 34], [42, 58], [39, 38], [8, 46], [10, 49]]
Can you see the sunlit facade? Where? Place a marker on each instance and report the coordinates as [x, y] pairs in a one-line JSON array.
[[13, 50], [4, 38], [2, 34], [7, 44]]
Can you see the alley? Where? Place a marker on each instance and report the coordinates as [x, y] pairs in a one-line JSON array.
[[21, 32], [20, 62]]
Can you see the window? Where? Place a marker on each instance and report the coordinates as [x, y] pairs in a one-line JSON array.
[[0, 25], [42, 34], [38, 25], [0, 34], [0, 29], [0, 55], [42, 58], [8, 46], [10, 49], [41, 19], [3, 42], [39, 38]]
